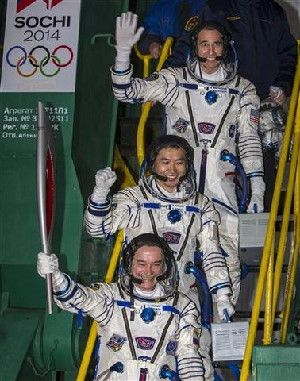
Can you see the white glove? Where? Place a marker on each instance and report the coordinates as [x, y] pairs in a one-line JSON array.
[[126, 36], [224, 303], [258, 187], [47, 264], [104, 180], [277, 95]]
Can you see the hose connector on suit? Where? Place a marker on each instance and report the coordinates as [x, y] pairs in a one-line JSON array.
[[242, 194], [206, 305]]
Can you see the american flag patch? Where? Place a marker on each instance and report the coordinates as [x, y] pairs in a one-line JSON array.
[[254, 116]]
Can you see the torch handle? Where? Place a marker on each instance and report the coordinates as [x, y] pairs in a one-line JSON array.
[[49, 293]]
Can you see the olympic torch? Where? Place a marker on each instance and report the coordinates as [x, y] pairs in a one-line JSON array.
[[45, 176]]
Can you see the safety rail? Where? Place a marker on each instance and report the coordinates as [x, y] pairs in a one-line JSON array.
[[267, 272], [140, 143], [127, 182]]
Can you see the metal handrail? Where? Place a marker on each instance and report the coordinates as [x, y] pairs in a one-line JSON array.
[[294, 256], [286, 215], [146, 58], [270, 233]]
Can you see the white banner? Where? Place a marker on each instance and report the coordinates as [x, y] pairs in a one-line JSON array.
[[40, 46]]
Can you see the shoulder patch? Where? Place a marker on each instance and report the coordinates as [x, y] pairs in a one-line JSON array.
[[95, 286], [191, 23], [152, 77]]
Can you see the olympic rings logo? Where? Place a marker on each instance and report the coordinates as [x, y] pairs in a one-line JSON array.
[[38, 61]]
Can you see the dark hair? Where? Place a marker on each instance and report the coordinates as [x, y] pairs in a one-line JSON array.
[[171, 141], [147, 239], [211, 25]]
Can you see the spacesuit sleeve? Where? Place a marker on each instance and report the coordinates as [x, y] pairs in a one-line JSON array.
[[161, 87], [213, 262], [190, 364], [249, 143], [76, 298], [103, 220]]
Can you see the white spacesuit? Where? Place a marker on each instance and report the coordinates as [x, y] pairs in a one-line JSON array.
[[186, 219], [217, 113], [142, 335]]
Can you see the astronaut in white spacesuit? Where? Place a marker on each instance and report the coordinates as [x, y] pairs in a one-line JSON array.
[[165, 202], [147, 330], [217, 112]]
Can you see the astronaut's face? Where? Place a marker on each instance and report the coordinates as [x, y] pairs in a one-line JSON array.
[[170, 163], [210, 47], [147, 264]]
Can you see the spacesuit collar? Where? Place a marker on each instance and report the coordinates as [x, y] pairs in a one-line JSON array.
[[157, 293], [174, 195], [218, 76], [187, 190], [228, 69]]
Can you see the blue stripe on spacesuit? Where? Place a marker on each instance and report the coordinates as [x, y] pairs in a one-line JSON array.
[[151, 205], [218, 286], [128, 304], [99, 205], [255, 174], [190, 367], [223, 252], [97, 355], [98, 213], [62, 292], [106, 315], [68, 297], [123, 303], [122, 72], [156, 205], [193, 86], [193, 209], [121, 86], [171, 309], [224, 205]]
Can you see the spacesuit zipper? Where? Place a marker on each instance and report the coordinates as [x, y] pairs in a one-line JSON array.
[[143, 374], [202, 175]]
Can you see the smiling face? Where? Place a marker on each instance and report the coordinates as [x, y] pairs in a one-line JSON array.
[[210, 46], [171, 164], [147, 264]]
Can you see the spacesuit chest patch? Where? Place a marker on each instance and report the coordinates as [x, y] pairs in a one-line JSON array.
[[180, 125], [206, 128], [116, 342], [171, 237], [171, 348], [145, 343]]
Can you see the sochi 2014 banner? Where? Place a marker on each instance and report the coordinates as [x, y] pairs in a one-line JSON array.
[[40, 46]]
